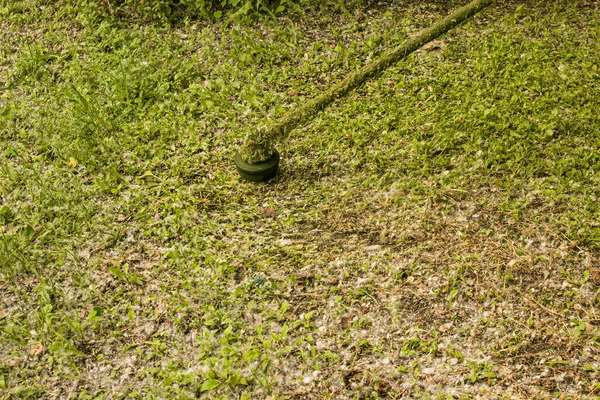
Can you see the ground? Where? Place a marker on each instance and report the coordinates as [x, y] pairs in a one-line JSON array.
[[436, 234]]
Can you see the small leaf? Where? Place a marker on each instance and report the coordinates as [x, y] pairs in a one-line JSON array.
[[554, 363], [96, 312], [284, 307], [488, 375], [279, 9], [209, 384], [135, 279], [473, 376], [234, 379], [251, 355], [72, 163], [308, 315], [29, 231], [284, 331]]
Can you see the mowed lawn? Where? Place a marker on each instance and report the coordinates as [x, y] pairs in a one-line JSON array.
[[435, 234]]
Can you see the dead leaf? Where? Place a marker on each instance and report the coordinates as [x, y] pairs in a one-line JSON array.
[[346, 322], [2, 314], [434, 45], [384, 387], [595, 275], [268, 211], [293, 92], [36, 349]]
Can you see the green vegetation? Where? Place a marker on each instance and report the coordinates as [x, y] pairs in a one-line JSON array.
[[166, 12], [435, 234]]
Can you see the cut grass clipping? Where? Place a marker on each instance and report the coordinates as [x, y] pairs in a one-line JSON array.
[[256, 156]]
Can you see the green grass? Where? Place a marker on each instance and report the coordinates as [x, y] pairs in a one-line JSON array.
[[435, 234]]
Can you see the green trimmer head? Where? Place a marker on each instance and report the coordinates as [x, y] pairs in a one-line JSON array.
[[257, 172]]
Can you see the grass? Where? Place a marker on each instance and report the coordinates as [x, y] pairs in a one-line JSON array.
[[434, 235]]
